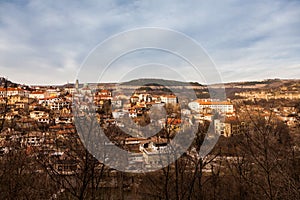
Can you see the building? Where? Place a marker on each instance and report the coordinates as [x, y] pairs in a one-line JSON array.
[[155, 154], [4, 92], [47, 101], [38, 114], [252, 95], [65, 166], [34, 139], [230, 127], [208, 106], [171, 99], [37, 95], [60, 104], [134, 99]]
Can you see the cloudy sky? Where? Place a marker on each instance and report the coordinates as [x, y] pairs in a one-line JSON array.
[[45, 42]]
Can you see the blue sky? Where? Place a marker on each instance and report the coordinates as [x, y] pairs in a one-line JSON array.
[[44, 42]]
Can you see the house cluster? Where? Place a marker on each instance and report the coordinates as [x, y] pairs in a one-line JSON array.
[[35, 118], [141, 103], [226, 124], [148, 151], [288, 114], [134, 106], [230, 126], [285, 112], [42, 118], [256, 94]]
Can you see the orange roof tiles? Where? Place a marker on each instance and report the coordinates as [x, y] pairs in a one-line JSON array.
[[173, 121], [213, 102], [104, 91], [11, 89], [37, 92], [169, 96]]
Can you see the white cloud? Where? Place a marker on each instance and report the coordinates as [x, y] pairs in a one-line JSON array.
[[46, 41]]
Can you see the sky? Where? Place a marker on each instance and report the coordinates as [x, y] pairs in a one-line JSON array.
[[46, 42]]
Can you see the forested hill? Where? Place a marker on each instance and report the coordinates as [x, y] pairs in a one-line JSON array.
[[8, 83]]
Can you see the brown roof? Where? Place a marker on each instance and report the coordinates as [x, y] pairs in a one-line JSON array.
[[135, 139], [213, 102]]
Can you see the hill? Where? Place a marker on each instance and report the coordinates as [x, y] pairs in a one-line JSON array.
[[7, 83], [158, 82]]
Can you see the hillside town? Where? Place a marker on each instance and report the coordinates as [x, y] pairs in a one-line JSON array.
[[40, 120]]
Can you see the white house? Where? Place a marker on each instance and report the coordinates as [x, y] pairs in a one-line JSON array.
[[33, 139], [38, 114], [221, 106], [47, 101], [37, 95], [11, 92], [59, 105], [172, 99], [132, 114], [44, 120], [119, 114], [68, 119]]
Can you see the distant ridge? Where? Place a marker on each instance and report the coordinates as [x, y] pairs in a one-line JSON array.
[[263, 84], [8, 83], [267, 83], [156, 82]]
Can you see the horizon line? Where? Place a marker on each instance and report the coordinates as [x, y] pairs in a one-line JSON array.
[[68, 82]]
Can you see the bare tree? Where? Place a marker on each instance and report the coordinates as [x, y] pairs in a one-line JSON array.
[[263, 158]]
